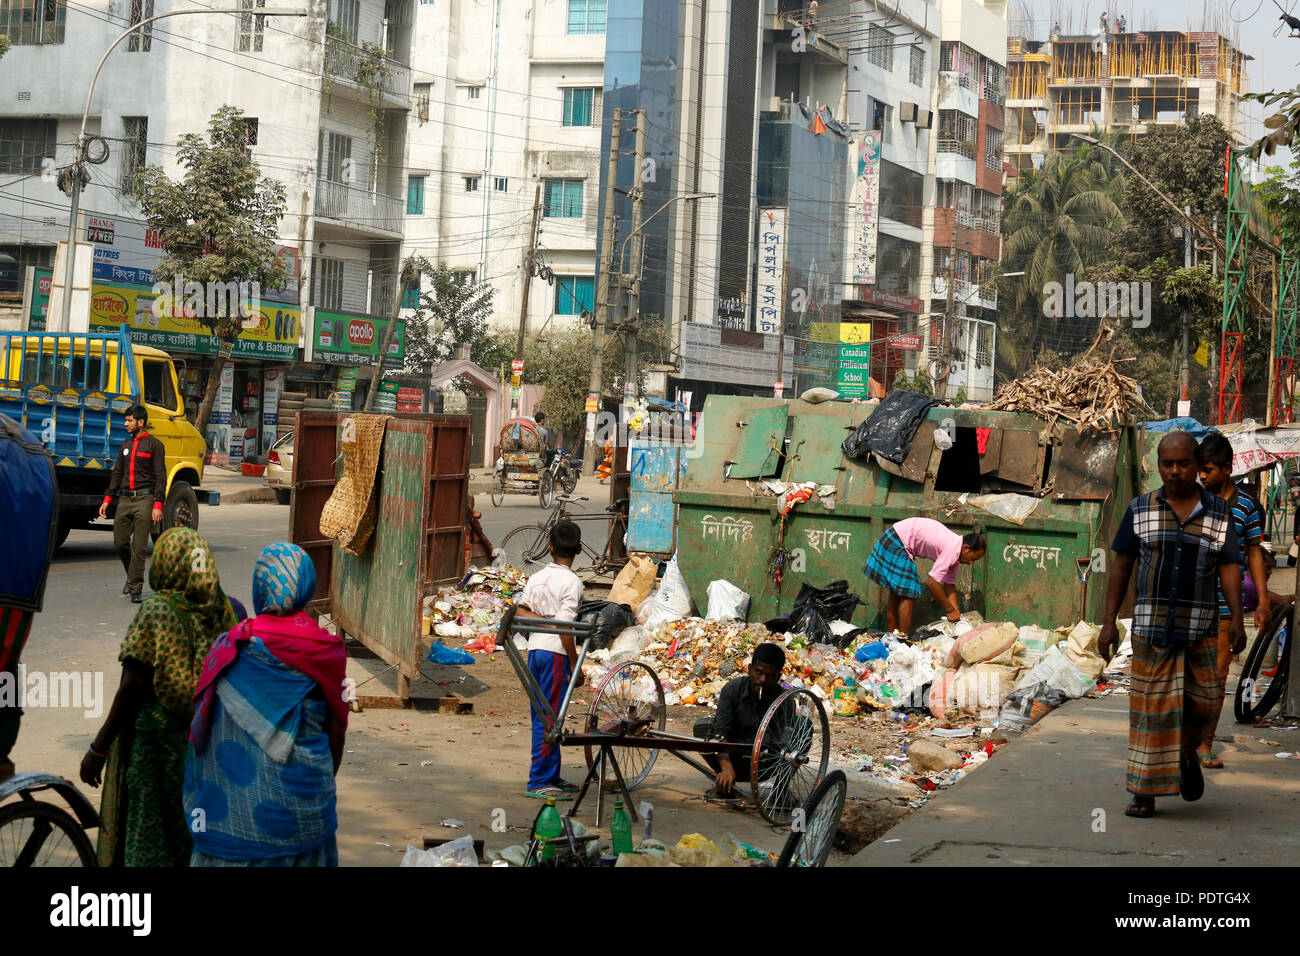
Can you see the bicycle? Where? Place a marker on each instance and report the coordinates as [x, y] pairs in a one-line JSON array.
[[1264, 674], [528, 546], [562, 473], [34, 833]]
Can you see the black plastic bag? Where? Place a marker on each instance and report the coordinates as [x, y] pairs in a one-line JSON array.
[[890, 429], [610, 619], [834, 602]]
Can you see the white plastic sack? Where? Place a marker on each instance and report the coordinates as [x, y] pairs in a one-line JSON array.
[[672, 600], [815, 396], [629, 644], [1056, 671], [1012, 507], [458, 852], [727, 602]]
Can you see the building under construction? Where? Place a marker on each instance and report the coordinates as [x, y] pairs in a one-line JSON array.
[[1129, 84]]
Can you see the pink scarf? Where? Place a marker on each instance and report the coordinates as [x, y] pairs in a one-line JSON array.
[[296, 641]]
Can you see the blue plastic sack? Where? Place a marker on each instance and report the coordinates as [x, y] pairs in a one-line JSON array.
[[875, 651], [28, 493], [440, 653]]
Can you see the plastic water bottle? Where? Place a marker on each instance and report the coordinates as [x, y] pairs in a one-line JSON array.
[[620, 829], [548, 828]]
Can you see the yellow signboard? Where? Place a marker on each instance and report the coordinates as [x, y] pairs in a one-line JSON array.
[[840, 333]]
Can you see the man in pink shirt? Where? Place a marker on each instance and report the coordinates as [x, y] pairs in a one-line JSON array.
[[892, 565]]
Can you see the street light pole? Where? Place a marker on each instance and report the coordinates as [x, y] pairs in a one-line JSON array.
[[76, 172]]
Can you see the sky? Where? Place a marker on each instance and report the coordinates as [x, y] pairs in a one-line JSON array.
[[1254, 25]]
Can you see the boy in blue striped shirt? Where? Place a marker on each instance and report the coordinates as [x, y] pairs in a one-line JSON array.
[[1214, 456]]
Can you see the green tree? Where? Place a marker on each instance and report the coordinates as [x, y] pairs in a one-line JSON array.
[[218, 225], [4, 45], [453, 311]]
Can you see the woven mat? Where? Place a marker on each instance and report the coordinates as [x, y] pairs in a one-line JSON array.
[[350, 514]]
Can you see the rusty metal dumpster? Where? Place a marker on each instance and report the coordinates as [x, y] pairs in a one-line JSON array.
[[728, 526]]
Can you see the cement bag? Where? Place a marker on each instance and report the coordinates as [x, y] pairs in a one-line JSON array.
[[1081, 650], [635, 582], [942, 691], [1056, 671], [1035, 641], [727, 602], [672, 600], [983, 686], [1026, 706], [990, 643]]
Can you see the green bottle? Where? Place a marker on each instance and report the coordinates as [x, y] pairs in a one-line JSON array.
[[620, 829], [548, 827]]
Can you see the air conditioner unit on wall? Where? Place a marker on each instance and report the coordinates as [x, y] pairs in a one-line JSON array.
[[924, 119], [907, 112]]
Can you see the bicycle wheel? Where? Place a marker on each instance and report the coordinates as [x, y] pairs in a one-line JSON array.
[[1264, 674], [570, 480], [630, 691], [527, 548], [546, 489], [790, 755], [498, 490], [810, 842], [39, 834]]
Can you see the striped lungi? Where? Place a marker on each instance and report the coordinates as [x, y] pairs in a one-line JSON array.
[[15, 625], [890, 566], [1174, 699]]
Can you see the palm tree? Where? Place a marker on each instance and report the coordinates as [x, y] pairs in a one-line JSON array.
[[1058, 221]]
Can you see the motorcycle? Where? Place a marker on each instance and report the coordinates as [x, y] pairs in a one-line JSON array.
[[561, 473]]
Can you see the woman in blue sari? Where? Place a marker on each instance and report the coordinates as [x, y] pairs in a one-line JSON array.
[[268, 729]]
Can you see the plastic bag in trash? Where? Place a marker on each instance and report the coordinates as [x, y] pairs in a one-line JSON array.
[[629, 644], [456, 853], [610, 619], [672, 600], [1056, 670], [1027, 705], [890, 429], [727, 602], [440, 653], [875, 651]]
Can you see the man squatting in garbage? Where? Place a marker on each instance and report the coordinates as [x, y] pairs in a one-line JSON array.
[[892, 565], [1183, 543], [742, 705]]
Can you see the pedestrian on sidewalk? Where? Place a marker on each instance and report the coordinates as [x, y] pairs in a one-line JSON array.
[[553, 592], [139, 753], [892, 565], [270, 702], [1183, 544], [139, 483], [1214, 455]]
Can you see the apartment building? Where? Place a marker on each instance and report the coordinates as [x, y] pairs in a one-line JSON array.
[[1129, 84], [325, 99]]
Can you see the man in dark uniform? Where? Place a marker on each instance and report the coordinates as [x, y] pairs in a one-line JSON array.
[[139, 484], [742, 705]]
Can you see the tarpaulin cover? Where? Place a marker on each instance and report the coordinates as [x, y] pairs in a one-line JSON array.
[[889, 430], [29, 515], [1189, 425]]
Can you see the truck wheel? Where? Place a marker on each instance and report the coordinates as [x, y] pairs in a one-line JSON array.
[[62, 536], [181, 508]]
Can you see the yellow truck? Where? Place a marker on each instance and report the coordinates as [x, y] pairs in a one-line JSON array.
[[72, 390]]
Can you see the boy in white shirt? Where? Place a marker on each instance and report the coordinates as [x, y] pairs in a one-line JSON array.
[[553, 592]]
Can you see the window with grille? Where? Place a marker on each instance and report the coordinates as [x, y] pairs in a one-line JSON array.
[[251, 27], [471, 184], [347, 19], [983, 344], [960, 59], [135, 143], [992, 147], [916, 69], [141, 40], [423, 93], [995, 82], [329, 283], [502, 184], [580, 106], [574, 294], [880, 47], [563, 198], [415, 195], [472, 92], [956, 133], [587, 16], [336, 157], [24, 144], [29, 22]]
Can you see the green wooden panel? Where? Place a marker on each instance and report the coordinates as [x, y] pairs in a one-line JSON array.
[[758, 448]]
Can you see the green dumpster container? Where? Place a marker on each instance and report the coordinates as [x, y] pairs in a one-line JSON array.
[[730, 528]]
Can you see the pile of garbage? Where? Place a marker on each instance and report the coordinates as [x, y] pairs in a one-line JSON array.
[[471, 610]]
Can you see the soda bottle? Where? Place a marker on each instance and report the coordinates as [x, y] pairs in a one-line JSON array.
[[548, 827], [620, 829]]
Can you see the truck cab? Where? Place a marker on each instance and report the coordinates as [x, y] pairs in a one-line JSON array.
[[72, 390]]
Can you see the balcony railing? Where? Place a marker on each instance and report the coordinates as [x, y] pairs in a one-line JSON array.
[[950, 145], [360, 207], [363, 68]]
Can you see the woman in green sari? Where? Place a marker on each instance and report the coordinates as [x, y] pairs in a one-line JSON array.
[[144, 738]]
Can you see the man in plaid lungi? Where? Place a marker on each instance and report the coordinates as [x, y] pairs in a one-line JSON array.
[[1181, 540]]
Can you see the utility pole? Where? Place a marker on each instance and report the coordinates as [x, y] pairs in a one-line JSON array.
[[409, 276], [529, 258], [632, 323], [607, 267], [1184, 396], [945, 350]]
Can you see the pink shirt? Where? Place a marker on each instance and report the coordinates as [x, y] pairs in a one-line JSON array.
[[927, 538]]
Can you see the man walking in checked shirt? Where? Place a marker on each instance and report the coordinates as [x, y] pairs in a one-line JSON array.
[[139, 483], [1182, 542]]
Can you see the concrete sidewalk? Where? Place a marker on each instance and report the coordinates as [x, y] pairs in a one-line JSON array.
[[1055, 796], [236, 488]]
